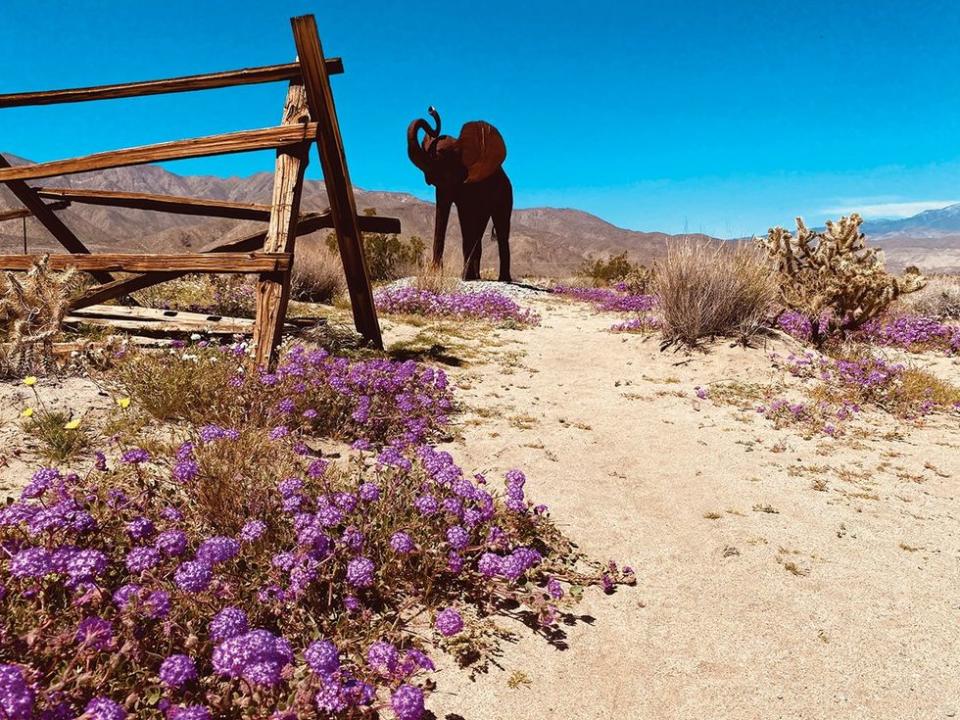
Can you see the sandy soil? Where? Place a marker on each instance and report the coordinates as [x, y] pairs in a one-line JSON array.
[[758, 595], [612, 438]]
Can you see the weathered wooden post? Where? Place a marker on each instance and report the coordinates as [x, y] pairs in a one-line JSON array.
[[273, 289], [336, 176]]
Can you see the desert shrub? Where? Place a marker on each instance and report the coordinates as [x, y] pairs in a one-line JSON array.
[[376, 400], [485, 305], [240, 575], [939, 299], [616, 270], [389, 256], [32, 308], [707, 290], [832, 278], [317, 274]]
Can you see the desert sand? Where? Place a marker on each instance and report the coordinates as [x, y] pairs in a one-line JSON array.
[[761, 593]]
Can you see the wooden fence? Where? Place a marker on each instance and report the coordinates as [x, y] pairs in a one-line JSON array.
[[309, 116]]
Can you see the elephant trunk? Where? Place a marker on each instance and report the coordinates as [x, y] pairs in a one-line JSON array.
[[418, 156], [416, 153]]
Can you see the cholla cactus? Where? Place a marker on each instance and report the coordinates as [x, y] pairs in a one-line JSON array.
[[32, 308], [832, 278]]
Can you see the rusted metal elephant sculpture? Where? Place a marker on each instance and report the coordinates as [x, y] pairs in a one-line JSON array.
[[467, 172]]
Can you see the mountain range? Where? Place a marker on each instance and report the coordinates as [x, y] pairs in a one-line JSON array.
[[544, 241]]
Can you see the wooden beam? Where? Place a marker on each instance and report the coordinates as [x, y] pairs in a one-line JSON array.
[[163, 203], [206, 81], [250, 243], [46, 217], [308, 223], [273, 289], [193, 206], [224, 144], [24, 212], [336, 176], [187, 263]]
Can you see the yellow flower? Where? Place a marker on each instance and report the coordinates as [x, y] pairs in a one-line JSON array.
[[72, 425], [123, 402], [30, 381], [27, 412]]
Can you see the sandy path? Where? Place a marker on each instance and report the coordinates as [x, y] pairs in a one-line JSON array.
[[869, 631]]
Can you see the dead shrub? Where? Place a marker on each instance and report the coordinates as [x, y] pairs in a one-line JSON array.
[[709, 290], [317, 273]]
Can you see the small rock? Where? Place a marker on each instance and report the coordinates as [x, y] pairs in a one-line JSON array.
[[730, 551]]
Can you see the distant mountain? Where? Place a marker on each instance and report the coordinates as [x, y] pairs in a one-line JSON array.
[[930, 240], [544, 241]]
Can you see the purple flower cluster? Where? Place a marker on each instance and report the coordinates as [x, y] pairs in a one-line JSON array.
[[16, 695], [448, 622], [320, 556], [487, 305], [258, 656], [609, 299], [912, 332]]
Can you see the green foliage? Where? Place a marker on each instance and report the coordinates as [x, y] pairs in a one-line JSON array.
[[616, 269], [832, 278], [388, 255]]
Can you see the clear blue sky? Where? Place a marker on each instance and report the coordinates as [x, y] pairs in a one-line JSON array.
[[715, 116]]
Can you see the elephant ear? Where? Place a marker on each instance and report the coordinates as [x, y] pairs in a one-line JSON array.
[[482, 150]]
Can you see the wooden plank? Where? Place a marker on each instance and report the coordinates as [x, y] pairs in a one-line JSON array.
[[46, 217], [195, 206], [163, 203], [124, 262], [224, 144], [24, 212], [336, 176], [273, 289], [206, 81], [249, 243], [308, 223]]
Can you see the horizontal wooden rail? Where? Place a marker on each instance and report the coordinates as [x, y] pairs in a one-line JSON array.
[[163, 203], [224, 144], [26, 212], [236, 262], [207, 81], [195, 206], [308, 223]]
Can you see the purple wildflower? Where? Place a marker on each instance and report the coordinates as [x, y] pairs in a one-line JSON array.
[[360, 572], [177, 670], [228, 623], [448, 622]]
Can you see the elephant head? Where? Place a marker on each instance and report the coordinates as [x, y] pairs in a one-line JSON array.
[[447, 161]]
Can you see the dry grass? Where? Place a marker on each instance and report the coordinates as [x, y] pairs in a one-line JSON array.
[[435, 280], [709, 290], [317, 273]]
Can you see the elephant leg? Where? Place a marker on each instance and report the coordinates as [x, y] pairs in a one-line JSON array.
[[503, 208], [472, 225], [442, 217]]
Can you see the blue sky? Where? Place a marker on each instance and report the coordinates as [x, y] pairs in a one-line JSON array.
[[723, 117]]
